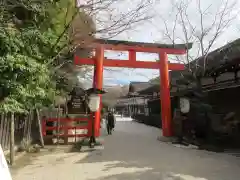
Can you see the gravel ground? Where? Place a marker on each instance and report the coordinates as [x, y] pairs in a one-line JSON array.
[[131, 153]]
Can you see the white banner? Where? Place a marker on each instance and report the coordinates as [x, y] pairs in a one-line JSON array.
[[4, 170]]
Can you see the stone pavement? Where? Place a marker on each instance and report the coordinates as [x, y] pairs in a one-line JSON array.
[[131, 153]]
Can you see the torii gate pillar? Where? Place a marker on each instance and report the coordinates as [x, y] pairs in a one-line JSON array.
[[98, 83], [165, 99]]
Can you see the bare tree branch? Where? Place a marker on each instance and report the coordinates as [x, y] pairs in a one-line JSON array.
[[203, 33]]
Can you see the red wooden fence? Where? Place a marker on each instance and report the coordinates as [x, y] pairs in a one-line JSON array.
[[66, 124]]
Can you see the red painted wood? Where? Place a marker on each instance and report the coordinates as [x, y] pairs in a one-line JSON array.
[[132, 56], [69, 135], [66, 119], [67, 127], [128, 63], [163, 65], [99, 84], [44, 127], [165, 96], [90, 126]]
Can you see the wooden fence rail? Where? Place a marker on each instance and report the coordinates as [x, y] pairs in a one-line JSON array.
[[67, 127], [22, 130]]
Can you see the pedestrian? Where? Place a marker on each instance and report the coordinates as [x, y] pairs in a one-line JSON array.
[[110, 122]]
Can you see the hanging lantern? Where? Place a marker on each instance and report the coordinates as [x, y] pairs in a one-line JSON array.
[[94, 102], [184, 105], [94, 98]]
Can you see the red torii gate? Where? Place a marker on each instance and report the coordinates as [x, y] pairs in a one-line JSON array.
[[132, 47]]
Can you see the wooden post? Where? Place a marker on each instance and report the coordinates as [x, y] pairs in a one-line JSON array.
[[39, 120], [44, 123], [66, 106], [65, 124], [12, 140], [58, 123], [98, 84], [90, 127], [2, 128], [29, 129]]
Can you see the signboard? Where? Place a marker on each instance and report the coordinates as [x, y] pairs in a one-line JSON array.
[[76, 102], [76, 106], [4, 170]]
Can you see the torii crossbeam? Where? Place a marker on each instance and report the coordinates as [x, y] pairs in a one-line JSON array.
[[133, 47]]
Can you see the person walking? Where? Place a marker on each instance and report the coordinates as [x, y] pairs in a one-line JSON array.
[[110, 122]]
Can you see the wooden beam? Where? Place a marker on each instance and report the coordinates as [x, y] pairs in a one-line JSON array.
[[127, 63]]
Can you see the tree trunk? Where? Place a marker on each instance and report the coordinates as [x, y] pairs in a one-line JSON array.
[[12, 141], [29, 129], [40, 128], [66, 106], [58, 123]]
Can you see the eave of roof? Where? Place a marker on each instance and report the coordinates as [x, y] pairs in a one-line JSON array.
[[143, 44], [229, 52]]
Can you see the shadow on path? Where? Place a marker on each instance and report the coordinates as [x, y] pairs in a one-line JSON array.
[[133, 152]]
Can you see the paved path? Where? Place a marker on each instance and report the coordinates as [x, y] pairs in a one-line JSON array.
[[132, 153]]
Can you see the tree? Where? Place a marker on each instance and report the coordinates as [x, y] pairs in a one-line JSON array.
[[68, 18], [109, 22], [30, 41], [23, 75], [203, 27], [38, 44], [82, 29], [112, 17]]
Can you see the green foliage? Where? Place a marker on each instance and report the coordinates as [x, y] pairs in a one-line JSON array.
[[26, 49], [34, 43], [24, 71], [61, 14]]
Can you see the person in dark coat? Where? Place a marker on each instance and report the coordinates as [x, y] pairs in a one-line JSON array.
[[110, 122]]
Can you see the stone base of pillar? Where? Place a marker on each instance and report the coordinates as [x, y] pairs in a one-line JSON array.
[[166, 139]]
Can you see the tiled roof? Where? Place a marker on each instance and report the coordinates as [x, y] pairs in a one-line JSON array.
[[135, 87], [227, 53]]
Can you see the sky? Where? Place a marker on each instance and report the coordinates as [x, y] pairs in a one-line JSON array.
[[153, 30]]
